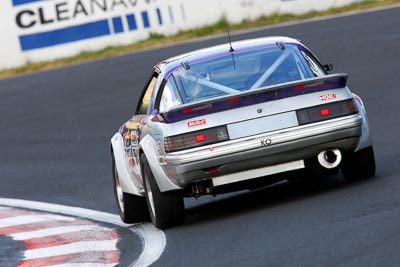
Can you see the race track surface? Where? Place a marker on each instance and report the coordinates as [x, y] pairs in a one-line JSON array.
[[54, 139]]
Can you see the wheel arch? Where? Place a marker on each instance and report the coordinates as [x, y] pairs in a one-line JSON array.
[[365, 140], [148, 148], [118, 152]]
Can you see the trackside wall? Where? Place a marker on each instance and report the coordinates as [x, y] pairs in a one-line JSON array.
[[39, 30]]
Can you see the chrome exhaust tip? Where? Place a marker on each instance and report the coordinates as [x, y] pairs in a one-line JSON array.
[[330, 159]]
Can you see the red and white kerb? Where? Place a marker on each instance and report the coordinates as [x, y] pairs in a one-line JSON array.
[[52, 240]]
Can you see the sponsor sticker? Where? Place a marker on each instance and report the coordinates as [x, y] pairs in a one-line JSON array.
[[266, 142], [309, 85], [197, 123], [162, 161], [327, 97], [198, 108]]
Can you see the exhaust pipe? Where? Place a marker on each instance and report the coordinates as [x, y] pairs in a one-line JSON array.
[[330, 159]]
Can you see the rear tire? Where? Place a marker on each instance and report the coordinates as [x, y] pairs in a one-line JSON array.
[[358, 165], [166, 208], [131, 208]]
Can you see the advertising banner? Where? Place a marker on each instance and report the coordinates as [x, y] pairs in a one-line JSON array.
[[38, 30]]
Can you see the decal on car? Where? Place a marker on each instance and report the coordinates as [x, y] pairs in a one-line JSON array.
[[131, 132], [198, 108], [135, 122], [327, 97], [162, 160], [197, 123], [266, 142], [309, 85]]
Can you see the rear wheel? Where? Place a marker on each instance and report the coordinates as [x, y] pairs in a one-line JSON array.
[[132, 208], [166, 208], [358, 165]]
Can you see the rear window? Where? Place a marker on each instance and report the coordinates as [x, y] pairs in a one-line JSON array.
[[237, 72]]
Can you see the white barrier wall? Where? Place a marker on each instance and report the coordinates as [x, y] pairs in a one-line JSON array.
[[37, 30]]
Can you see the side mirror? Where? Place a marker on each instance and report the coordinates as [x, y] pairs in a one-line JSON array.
[[328, 67]]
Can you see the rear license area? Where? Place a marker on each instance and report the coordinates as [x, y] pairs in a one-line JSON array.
[[260, 172], [262, 125]]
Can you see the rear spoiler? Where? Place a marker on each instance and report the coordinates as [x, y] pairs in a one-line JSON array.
[[253, 97]]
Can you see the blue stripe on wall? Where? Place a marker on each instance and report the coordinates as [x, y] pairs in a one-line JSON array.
[[65, 35], [117, 22], [183, 12], [132, 25], [23, 2], [159, 16], [145, 18], [171, 14]]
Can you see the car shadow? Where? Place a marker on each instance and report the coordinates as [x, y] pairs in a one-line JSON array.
[[270, 196]]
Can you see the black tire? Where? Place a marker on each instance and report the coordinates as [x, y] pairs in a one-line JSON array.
[[358, 165], [131, 208], [166, 209]]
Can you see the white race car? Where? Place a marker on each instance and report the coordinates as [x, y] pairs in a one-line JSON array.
[[234, 117]]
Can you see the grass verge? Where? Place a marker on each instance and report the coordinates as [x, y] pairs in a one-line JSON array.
[[158, 40]]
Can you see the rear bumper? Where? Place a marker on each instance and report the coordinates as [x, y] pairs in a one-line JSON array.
[[241, 155]]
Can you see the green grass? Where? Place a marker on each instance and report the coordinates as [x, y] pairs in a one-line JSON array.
[[158, 40]]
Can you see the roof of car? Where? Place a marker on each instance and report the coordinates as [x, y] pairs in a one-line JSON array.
[[168, 65]]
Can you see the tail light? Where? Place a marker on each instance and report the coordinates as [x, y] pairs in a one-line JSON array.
[[196, 139], [327, 111]]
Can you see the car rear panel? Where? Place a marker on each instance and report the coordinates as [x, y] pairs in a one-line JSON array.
[[257, 118], [265, 133], [267, 149]]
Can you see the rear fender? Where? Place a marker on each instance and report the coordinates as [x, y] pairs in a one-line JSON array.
[[365, 140], [148, 146], [127, 184]]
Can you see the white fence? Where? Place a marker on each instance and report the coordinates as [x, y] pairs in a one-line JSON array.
[[37, 30]]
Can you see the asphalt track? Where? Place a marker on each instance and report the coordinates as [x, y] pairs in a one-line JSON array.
[[56, 125]]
